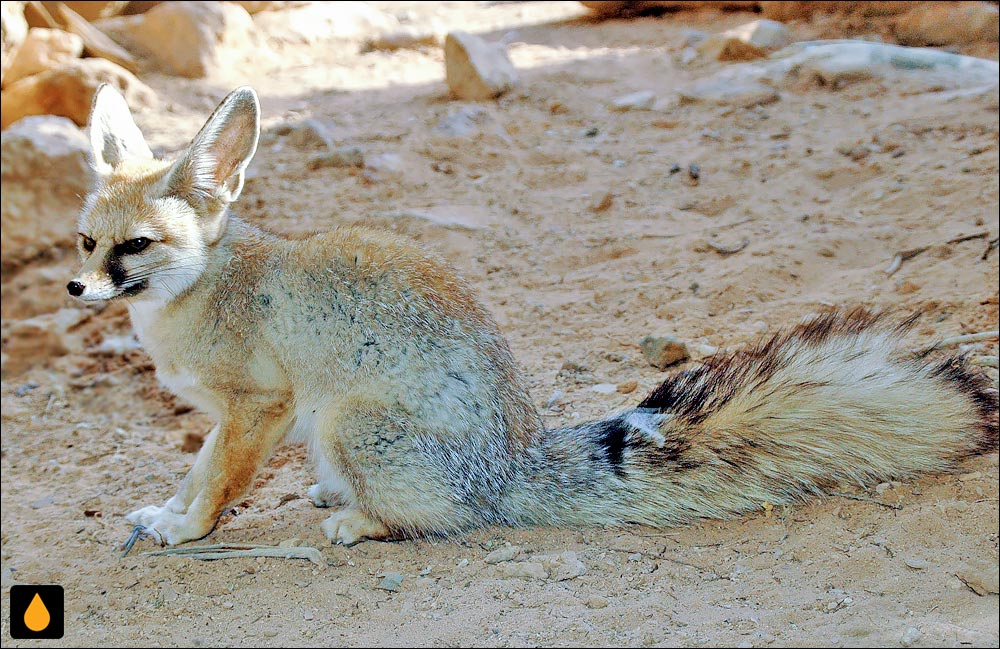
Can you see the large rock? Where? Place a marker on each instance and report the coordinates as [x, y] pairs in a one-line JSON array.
[[948, 23], [42, 50], [68, 90], [476, 69], [13, 30], [45, 174], [765, 34], [194, 39], [325, 20]]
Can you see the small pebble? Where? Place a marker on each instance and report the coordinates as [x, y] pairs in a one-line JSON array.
[[910, 636], [500, 555], [390, 582], [628, 387]]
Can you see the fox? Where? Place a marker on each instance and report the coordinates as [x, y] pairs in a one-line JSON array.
[[379, 357]]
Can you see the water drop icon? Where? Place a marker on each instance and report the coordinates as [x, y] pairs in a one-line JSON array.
[[36, 617]]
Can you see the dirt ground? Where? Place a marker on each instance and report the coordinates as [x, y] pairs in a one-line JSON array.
[[567, 219]]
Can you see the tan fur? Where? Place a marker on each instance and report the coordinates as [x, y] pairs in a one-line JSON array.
[[378, 355]]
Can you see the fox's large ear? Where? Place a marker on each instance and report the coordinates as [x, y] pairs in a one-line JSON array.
[[213, 166], [114, 137]]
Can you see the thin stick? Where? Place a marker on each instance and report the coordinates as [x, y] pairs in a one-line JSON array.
[[902, 256], [233, 551], [867, 500], [967, 338]]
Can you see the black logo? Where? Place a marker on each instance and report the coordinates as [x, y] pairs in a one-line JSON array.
[[36, 612]]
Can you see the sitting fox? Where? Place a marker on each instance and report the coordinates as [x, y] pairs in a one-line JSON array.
[[378, 356]]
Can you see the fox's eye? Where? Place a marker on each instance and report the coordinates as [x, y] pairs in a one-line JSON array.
[[134, 246], [88, 243]]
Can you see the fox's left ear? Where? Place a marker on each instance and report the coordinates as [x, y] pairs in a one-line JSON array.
[[114, 137], [213, 166]]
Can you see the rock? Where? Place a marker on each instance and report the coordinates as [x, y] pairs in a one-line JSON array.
[[948, 23], [982, 579], [501, 555], [45, 175], [916, 563], [641, 100], [596, 601], [347, 156], [13, 30], [33, 342], [722, 47], [728, 93], [68, 90], [390, 582], [383, 166], [312, 133], [523, 570], [196, 39], [563, 567], [42, 50], [910, 636], [470, 122], [769, 35], [627, 387], [475, 69], [318, 21], [604, 388], [254, 7], [293, 542], [409, 37], [663, 351]]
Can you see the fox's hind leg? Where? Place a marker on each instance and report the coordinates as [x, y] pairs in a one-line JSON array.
[[332, 490]]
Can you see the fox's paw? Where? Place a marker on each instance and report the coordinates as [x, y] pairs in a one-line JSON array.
[[323, 495], [145, 516], [166, 527], [350, 526]]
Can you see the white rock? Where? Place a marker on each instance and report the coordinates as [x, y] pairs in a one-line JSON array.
[[726, 93], [910, 636], [501, 555], [604, 388], [476, 69], [765, 34], [641, 100], [325, 20], [68, 90], [45, 175], [42, 50], [197, 39], [563, 567], [523, 570], [13, 30]]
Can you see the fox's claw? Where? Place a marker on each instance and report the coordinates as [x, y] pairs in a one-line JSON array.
[[137, 532]]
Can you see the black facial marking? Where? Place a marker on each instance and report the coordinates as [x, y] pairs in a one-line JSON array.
[[136, 288], [113, 264]]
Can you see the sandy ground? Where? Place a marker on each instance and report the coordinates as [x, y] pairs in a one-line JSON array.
[[575, 285]]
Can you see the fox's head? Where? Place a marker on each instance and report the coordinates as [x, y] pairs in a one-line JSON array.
[[144, 230]]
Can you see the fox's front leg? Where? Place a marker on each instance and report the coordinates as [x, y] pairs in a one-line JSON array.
[[230, 458]]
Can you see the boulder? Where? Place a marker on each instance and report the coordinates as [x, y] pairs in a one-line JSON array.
[[68, 90], [476, 69], [766, 34], [194, 39], [948, 23], [13, 30], [43, 49], [45, 175]]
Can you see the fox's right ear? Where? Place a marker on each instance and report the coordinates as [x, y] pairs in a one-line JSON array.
[[114, 137]]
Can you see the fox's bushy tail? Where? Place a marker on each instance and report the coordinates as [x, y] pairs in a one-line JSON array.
[[836, 400]]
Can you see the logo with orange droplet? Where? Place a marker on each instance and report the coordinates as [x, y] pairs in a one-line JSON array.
[[36, 612]]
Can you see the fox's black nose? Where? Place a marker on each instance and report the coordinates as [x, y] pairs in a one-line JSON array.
[[75, 288]]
